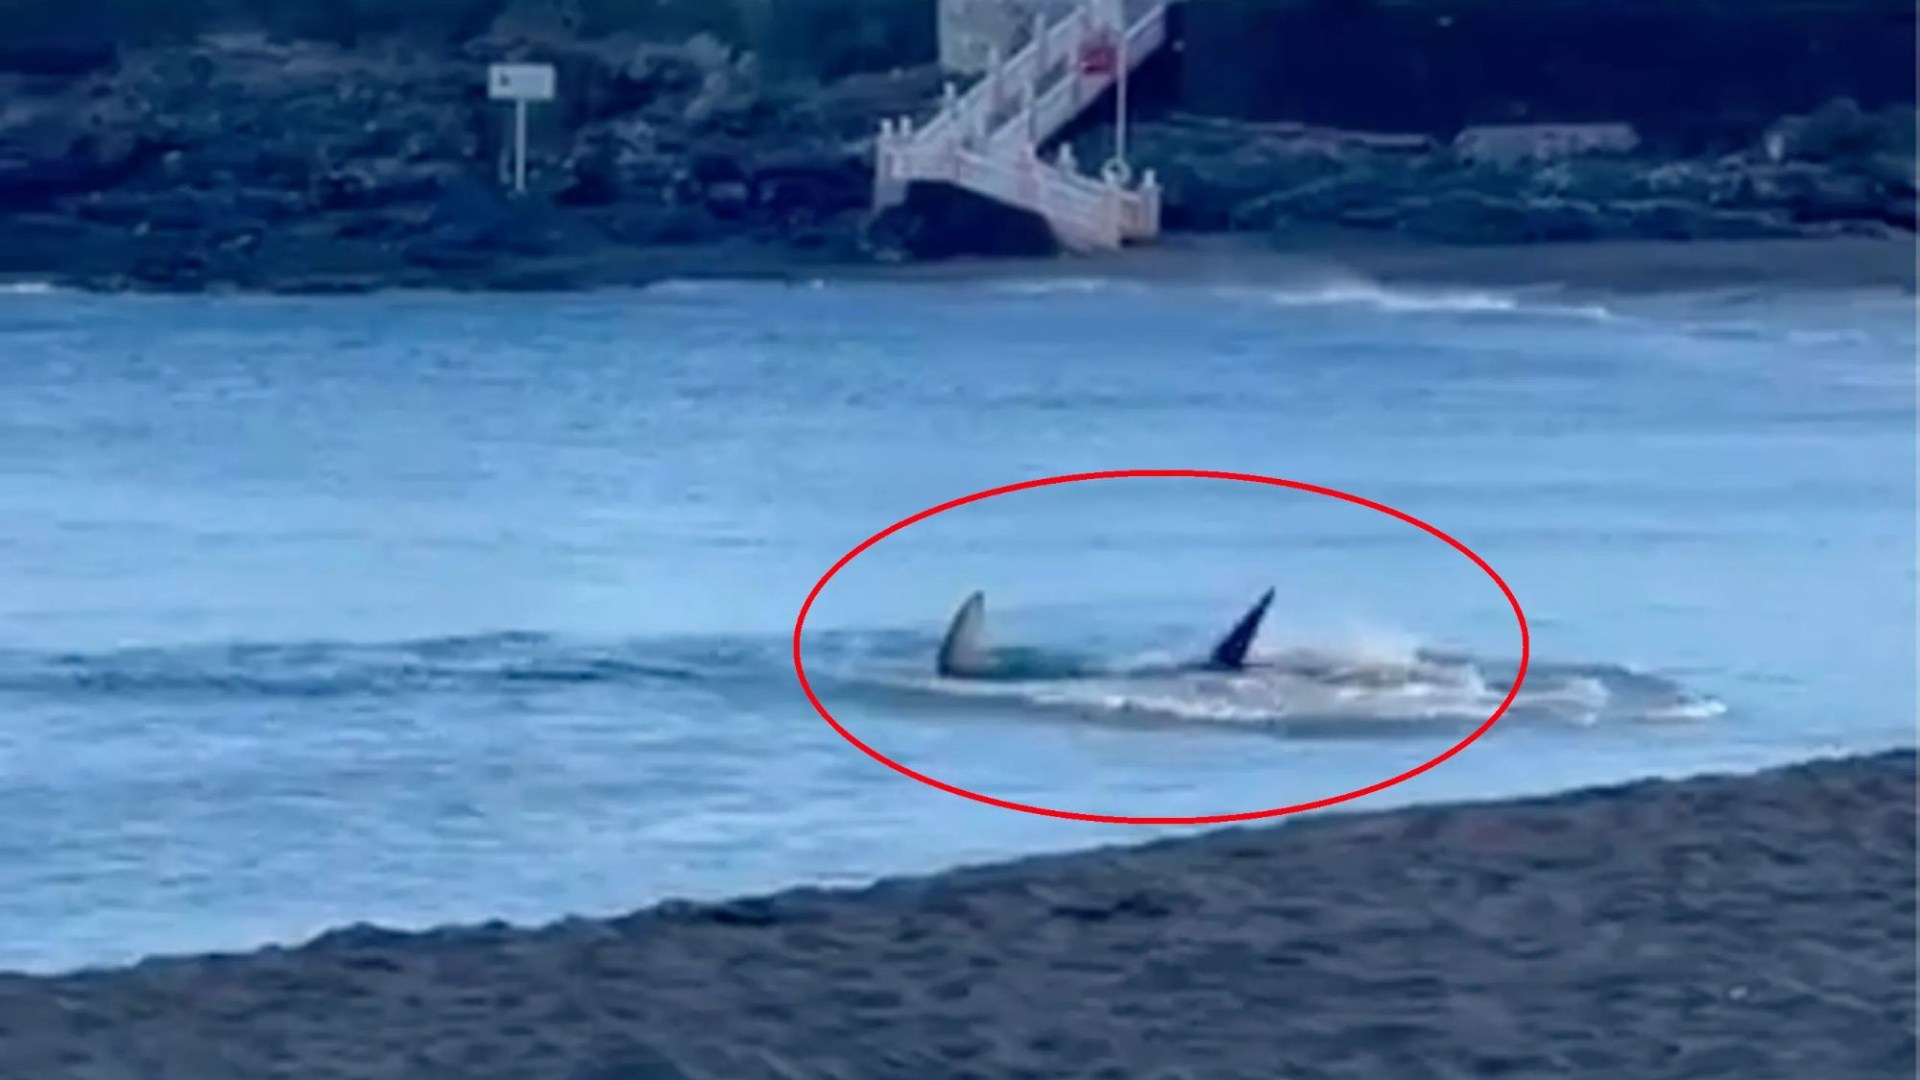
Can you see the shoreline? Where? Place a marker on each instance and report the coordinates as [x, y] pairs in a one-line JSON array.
[[1616, 267], [1603, 267], [1598, 932]]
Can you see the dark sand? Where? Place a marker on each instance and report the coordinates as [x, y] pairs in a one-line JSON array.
[[1745, 928], [1312, 257], [1616, 267]]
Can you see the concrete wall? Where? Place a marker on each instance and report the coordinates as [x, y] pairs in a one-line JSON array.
[[1682, 71], [968, 28]]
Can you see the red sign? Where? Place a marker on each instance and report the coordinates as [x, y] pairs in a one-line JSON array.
[[1099, 57]]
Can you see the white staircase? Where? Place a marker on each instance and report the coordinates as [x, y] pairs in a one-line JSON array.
[[986, 140]]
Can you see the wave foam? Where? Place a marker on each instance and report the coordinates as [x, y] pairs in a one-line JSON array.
[[1063, 286], [1336, 691], [1364, 293]]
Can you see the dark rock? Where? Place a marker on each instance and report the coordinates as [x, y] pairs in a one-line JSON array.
[[1360, 198], [851, 107], [66, 55], [243, 158], [647, 226], [1219, 176], [727, 199], [183, 269], [50, 155], [1213, 193], [1841, 132], [435, 254], [939, 221], [1468, 217], [1598, 179], [189, 209], [34, 243], [616, 161], [842, 242], [1899, 212], [246, 154], [471, 214], [363, 185], [653, 74], [388, 225], [1811, 193], [1676, 219], [800, 197]]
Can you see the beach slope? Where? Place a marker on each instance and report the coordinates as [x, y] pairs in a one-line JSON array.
[[1748, 927]]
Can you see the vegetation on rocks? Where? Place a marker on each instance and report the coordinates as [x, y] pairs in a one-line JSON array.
[[350, 143]]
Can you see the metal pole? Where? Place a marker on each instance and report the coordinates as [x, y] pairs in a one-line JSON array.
[[1120, 87], [520, 147]]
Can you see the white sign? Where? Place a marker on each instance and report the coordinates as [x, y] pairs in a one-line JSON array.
[[520, 82]]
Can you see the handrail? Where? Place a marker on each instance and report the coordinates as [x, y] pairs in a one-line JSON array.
[[1142, 38], [985, 139]]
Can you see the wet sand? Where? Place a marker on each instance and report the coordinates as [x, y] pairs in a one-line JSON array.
[[1312, 257], [1744, 927], [1635, 267]]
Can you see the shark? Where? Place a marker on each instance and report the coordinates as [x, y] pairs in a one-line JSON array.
[[966, 654]]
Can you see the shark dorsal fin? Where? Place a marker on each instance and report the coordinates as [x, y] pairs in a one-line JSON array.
[[1231, 652], [964, 650]]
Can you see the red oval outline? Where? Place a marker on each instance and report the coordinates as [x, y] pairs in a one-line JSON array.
[[1526, 647]]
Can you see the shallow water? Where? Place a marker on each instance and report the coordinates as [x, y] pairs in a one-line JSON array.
[[423, 608]]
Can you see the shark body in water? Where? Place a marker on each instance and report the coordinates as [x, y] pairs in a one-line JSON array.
[[965, 654], [1323, 689]]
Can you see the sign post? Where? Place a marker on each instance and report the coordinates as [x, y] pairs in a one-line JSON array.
[[1104, 52], [520, 84], [1117, 13]]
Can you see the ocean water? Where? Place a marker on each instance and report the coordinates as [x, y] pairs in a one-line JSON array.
[[414, 609]]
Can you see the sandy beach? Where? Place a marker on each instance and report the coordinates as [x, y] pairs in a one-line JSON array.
[[1637, 267], [1749, 927]]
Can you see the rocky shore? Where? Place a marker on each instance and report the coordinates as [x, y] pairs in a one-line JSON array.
[[1836, 172], [1730, 928], [244, 161]]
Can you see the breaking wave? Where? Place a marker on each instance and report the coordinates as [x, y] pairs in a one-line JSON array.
[[1343, 291], [339, 669], [1366, 688], [1369, 688], [1064, 286], [1363, 293]]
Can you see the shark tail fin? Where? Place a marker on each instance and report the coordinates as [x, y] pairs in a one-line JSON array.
[[964, 650], [1231, 652]]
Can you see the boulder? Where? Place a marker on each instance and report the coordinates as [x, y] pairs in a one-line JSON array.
[[1841, 132], [380, 182], [52, 152], [1362, 197], [1469, 217], [658, 226], [939, 221], [617, 161], [1679, 219]]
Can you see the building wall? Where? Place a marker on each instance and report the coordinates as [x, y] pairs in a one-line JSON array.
[[969, 28]]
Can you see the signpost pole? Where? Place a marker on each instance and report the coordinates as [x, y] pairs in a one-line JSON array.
[[1118, 11], [520, 147]]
